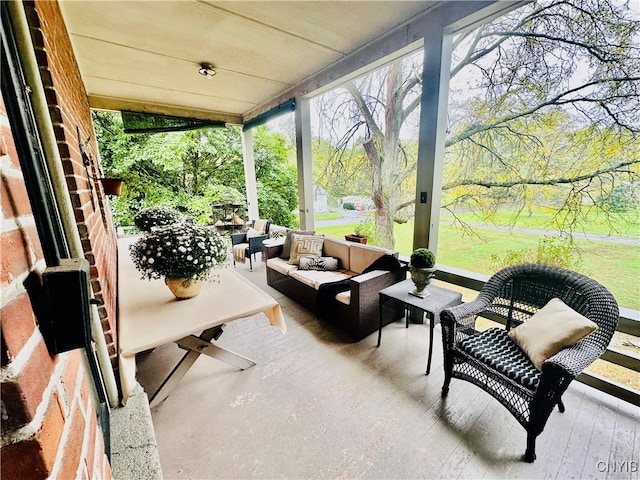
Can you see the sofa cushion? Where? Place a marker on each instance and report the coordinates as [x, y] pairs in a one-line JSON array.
[[315, 278], [286, 248], [280, 265], [361, 256], [305, 246], [344, 297], [324, 264], [339, 249]]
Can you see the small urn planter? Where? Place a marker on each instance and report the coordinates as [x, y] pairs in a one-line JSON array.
[[421, 277], [422, 269]]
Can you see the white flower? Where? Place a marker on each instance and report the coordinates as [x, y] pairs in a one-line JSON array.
[[182, 249], [150, 261]]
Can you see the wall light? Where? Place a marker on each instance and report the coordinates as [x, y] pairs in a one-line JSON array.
[[207, 70]]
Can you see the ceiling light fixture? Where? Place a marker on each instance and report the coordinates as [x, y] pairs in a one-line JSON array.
[[207, 70]]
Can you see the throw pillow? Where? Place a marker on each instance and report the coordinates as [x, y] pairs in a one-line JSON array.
[[286, 248], [305, 246], [252, 232], [552, 328], [324, 264]]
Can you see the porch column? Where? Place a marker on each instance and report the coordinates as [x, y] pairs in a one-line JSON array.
[[303, 152], [250, 174], [434, 100]]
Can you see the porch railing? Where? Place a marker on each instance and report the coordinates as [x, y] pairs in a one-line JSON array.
[[629, 324]]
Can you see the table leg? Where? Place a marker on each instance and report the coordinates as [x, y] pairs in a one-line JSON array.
[[379, 318], [196, 347], [431, 322]]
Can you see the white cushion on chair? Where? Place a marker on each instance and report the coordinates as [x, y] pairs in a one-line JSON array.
[[260, 226], [252, 232], [552, 328]]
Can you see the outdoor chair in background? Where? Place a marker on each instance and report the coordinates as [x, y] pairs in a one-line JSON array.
[[528, 365], [247, 244]]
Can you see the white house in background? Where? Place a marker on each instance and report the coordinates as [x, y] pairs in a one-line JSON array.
[[320, 203], [360, 203]]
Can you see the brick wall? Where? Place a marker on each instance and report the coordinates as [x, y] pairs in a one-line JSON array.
[[49, 423], [71, 117]]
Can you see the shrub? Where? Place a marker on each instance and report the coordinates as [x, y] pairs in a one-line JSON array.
[[422, 258]]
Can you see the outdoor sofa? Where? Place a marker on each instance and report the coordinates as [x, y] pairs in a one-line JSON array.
[[346, 293]]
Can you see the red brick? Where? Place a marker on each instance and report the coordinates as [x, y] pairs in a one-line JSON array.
[[15, 404], [35, 377], [50, 432], [95, 438], [23, 461], [70, 374], [14, 198], [73, 446], [7, 145], [18, 323], [20, 242]]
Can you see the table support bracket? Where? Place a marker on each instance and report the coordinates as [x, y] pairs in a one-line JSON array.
[[197, 346]]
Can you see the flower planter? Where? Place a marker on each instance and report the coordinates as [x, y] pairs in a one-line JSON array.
[[183, 288], [111, 186], [355, 238]]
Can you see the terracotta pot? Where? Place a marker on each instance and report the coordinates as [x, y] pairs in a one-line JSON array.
[[421, 277], [183, 288], [111, 186]]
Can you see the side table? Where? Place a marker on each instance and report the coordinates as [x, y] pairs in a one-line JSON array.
[[270, 242], [437, 300]]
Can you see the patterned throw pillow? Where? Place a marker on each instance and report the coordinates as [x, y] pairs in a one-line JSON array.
[[288, 241], [324, 264], [305, 246]]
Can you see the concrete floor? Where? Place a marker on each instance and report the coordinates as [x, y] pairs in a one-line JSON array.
[[318, 406]]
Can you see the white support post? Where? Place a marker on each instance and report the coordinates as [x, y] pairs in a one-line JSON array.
[[305, 173], [250, 174], [434, 102]]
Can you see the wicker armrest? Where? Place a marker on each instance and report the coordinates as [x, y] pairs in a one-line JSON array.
[[464, 315], [273, 251], [575, 358], [366, 286]]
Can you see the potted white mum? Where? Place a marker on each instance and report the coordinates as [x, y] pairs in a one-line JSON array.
[[183, 253]]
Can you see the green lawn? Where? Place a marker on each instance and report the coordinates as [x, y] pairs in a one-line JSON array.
[[544, 218], [616, 266]]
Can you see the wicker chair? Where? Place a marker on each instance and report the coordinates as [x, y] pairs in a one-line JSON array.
[[250, 245], [514, 294]]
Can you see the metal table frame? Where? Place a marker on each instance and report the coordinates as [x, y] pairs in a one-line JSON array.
[[438, 299]]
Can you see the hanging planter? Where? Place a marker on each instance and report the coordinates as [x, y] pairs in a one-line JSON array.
[[111, 186]]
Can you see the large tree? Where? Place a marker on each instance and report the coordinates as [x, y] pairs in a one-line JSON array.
[[193, 169], [548, 95]]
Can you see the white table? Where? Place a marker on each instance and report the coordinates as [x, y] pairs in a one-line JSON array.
[[150, 316]]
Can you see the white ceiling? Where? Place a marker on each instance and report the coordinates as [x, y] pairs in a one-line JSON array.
[[145, 55]]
